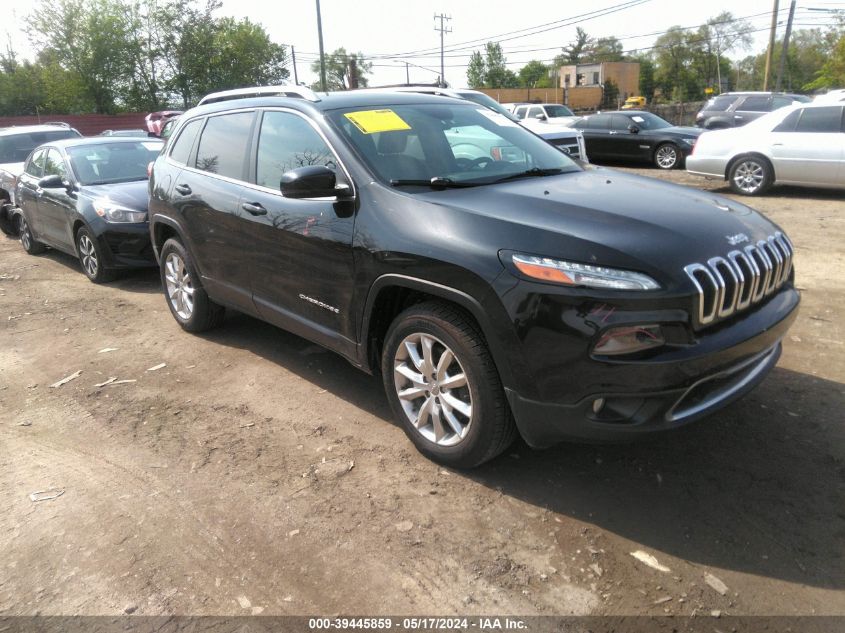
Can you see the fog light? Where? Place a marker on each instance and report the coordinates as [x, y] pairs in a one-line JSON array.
[[598, 405], [629, 339]]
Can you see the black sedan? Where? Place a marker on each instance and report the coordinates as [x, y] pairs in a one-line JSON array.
[[637, 136], [88, 198]]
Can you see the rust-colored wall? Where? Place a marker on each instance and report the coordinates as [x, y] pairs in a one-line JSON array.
[[584, 97], [520, 95], [87, 124]]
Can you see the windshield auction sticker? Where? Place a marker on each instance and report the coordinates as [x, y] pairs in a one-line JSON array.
[[372, 121]]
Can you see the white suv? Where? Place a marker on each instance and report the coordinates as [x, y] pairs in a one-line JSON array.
[[545, 113]]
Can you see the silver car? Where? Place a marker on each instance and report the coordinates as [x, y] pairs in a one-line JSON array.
[[800, 145]]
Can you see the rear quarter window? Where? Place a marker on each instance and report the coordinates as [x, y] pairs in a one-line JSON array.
[[223, 144], [181, 150]]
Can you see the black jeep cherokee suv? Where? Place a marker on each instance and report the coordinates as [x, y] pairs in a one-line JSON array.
[[497, 285]]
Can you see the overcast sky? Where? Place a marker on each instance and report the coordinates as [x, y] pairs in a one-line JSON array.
[[398, 31]]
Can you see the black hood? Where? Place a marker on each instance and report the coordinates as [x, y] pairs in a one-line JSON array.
[[675, 131], [133, 195], [611, 218]]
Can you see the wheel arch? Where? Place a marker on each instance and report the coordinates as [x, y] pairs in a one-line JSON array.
[[753, 154], [392, 293]]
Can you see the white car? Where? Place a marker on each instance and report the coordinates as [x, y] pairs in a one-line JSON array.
[[547, 113], [803, 144]]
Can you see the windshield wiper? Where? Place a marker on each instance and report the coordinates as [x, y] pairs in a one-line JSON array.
[[438, 182], [534, 172]]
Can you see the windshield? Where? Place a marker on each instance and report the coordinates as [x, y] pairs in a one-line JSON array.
[[558, 110], [482, 99], [446, 145], [107, 163], [649, 121], [14, 148]]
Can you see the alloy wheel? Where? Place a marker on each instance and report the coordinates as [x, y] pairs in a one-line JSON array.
[[180, 287], [26, 236], [432, 389], [88, 255], [749, 176], [667, 157]]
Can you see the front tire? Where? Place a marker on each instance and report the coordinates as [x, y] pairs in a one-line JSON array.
[[750, 176], [187, 299], [29, 243], [667, 156], [444, 388], [91, 257]]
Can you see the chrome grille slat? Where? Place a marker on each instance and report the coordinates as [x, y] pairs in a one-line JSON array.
[[730, 284]]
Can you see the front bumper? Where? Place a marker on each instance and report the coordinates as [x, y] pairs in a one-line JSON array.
[[666, 391], [125, 245]]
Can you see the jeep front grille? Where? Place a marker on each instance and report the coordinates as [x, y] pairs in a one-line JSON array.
[[730, 284]]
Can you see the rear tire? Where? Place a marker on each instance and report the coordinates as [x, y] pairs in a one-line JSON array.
[[29, 243], [444, 388], [91, 257], [187, 299], [750, 175]]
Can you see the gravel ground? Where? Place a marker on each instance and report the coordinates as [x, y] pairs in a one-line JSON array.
[[257, 473]]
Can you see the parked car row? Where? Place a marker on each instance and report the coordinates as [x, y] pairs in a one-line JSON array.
[[499, 286]]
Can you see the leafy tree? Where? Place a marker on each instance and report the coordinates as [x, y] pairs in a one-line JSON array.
[[832, 73], [647, 83], [90, 38], [604, 49], [533, 74], [573, 53], [338, 66], [476, 71], [490, 70]]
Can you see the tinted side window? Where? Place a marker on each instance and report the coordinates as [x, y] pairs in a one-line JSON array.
[[788, 124], [719, 104], [780, 102], [595, 122], [185, 141], [54, 165], [755, 104], [36, 164], [820, 120], [534, 112], [223, 144], [288, 141], [520, 113], [619, 122]]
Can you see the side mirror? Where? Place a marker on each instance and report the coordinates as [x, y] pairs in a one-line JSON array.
[[53, 182], [313, 181], [633, 129], [540, 117]]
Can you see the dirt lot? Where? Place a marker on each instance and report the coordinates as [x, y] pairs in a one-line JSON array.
[[257, 473]]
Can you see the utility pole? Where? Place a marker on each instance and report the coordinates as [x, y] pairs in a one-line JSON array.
[[293, 56], [785, 51], [322, 55], [443, 30], [771, 46], [407, 74]]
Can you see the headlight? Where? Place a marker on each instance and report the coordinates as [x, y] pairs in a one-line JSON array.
[[574, 274], [689, 141], [113, 212]]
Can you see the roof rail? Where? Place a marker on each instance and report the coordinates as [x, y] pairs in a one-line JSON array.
[[300, 92]]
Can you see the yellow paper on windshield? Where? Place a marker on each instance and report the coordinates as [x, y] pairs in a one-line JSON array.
[[372, 121]]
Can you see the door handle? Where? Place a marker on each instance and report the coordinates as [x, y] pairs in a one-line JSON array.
[[777, 144], [254, 208], [185, 190]]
